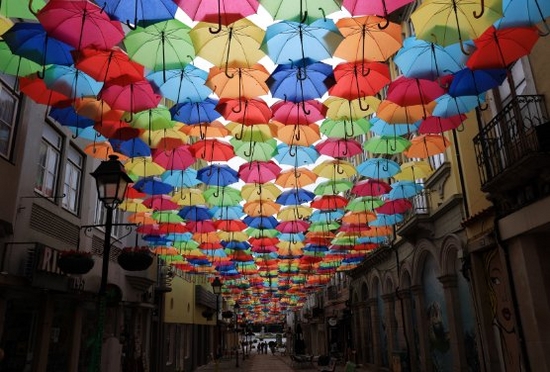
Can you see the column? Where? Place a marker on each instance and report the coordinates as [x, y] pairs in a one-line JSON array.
[[422, 360], [376, 349], [450, 288], [389, 314], [404, 296]]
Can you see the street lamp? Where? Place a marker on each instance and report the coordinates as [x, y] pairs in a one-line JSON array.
[[112, 182], [236, 309], [217, 289]]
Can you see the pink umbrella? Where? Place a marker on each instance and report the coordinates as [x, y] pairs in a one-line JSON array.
[[412, 91], [160, 202], [179, 158], [205, 226], [371, 187], [222, 12], [259, 171], [133, 97], [81, 24], [293, 226], [380, 8], [306, 112], [394, 206], [339, 147]]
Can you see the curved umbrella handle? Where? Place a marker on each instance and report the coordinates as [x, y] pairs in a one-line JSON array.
[[259, 191], [201, 133], [339, 169], [41, 74], [304, 17], [385, 167], [239, 109], [217, 30], [240, 135], [476, 15], [130, 25], [250, 150], [304, 110], [292, 153], [361, 107], [394, 147], [35, 13], [352, 134], [385, 25], [129, 120], [297, 134]]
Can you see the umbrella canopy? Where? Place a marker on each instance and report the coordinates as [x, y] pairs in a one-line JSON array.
[[140, 11], [237, 81], [223, 12], [181, 85], [380, 8], [357, 80], [304, 11]]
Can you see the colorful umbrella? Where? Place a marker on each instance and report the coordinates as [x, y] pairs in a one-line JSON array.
[[386, 145], [295, 178], [266, 191], [179, 158], [222, 12], [304, 112], [181, 85], [339, 148], [380, 8], [303, 11], [133, 97], [140, 11], [217, 174], [19, 9], [469, 82], [236, 81], [524, 13], [378, 168], [71, 82], [358, 80], [212, 150], [425, 145], [344, 128], [15, 65], [245, 111], [438, 124], [296, 155], [190, 112], [259, 171], [414, 170]]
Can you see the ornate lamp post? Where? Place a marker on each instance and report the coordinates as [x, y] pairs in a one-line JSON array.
[[217, 289], [236, 309], [112, 182]]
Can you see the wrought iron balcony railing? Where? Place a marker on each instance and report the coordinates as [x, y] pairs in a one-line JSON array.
[[520, 129]]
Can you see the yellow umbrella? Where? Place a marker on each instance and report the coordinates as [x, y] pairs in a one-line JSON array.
[[294, 212], [143, 166], [258, 208], [233, 235], [188, 197], [414, 170], [296, 177], [343, 109], [335, 169], [165, 139], [214, 129], [266, 191], [133, 205], [252, 133], [5, 24]]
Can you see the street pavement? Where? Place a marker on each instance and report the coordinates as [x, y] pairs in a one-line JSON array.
[[266, 363]]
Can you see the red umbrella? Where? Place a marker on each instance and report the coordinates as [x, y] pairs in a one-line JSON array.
[[172, 228], [222, 12], [339, 147], [133, 97], [245, 111], [36, 89], [357, 80], [499, 48], [364, 247], [259, 171], [394, 206], [371, 187], [212, 150], [179, 158], [206, 226], [306, 112], [437, 124], [116, 129], [80, 23], [329, 202], [108, 65], [412, 91], [160, 202], [293, 226], [230, 225]]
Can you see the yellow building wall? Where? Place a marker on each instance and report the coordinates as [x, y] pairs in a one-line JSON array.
[[180, 303]]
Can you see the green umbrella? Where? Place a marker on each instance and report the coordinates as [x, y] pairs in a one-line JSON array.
[[365, 203], [261, 151], [152, 119], [12, 64], [386, 145], [166, 216], [344, 128], [161, 46], [20, 8], [261, 233], [323, 226], [222, 196], [332, 187], [344, 240], [186, 244], [305, 11]]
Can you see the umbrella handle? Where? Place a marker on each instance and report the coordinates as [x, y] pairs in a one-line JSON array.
[[32, 10], [40, 74], [241, 134], [339, 169], [291, 153], [361, 106], [478, 16], [304, 110], [385, 25], [304, 17], [240, 108], [130, 25], [352, 134], [129, 120]]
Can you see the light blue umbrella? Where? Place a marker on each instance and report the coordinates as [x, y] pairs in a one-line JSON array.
[[296, 155], [378, 168], [447, 106], [71, 82], [227, 212], [326, 216], [383, 128], [181, 178], [386, 220], [404, 189], [518, 13], [181, 85]]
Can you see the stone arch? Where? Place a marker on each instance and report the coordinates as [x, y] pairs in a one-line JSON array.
[[424, 249], [405, 279], [374, 286], [450, 248], [389, 284], [364, 292]]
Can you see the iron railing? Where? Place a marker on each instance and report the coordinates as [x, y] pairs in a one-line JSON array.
[[512, 134]]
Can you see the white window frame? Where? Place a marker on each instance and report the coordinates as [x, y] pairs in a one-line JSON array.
[[49, 161], [73, 180], [100, 217], [9, 103]]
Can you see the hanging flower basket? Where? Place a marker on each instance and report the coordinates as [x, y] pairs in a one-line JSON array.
[[208, 314], [135, 259], [227, 314], [75, 262]]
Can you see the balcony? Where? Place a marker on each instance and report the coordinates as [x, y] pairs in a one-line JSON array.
[[513, 154]]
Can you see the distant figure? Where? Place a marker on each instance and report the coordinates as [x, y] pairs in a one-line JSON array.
[[272, 346]]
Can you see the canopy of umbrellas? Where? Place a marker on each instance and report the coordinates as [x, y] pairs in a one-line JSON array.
[[270, 165]]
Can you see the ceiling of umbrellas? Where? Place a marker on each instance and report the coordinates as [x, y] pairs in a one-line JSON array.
[[263, 135]]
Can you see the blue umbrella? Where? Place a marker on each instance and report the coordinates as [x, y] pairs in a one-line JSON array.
[[296, 155], [372, 239], [404, 189], [88, 133], [301, 80], [383, 128], [132, 148], [386, 219], [142, 12], [181, 85], [30, 40], [218, 174], [68, 117], [288, 40], [152, 186], [233, 212], [156, 239], [518, 13], [468, 82], [326, 216], [71, 82], [447, 106], [378, 168], [425, 60], [195, 213], [235, 245], [315, 248], [181, 178], [261, 222], [195, 112], [295, 197], [292, 237]]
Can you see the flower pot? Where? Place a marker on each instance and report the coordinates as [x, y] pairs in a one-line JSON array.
[[135, 260], [75, 263]]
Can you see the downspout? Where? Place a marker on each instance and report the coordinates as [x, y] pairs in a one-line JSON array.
[[407, 345], [461, 175], [513, 295]]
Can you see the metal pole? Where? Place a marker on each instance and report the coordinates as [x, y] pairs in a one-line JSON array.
[[102, 300], [237, 337], [218, 354]]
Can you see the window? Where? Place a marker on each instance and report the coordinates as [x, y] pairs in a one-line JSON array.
[[8, 113], [48, 162], [73, 177], [101, 215]]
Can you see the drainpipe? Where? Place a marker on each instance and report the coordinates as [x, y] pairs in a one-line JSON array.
[[461, 176], [513, 295], [407, 345]]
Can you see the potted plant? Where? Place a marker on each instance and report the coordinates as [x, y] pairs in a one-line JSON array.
[[135, 258], [227, 314], [75, 262], [208, 313]]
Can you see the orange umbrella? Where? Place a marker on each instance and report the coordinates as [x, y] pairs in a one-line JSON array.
[[261, 208], [92, 108], [295, 177], [238, 81], [301, 135], [359, 217], [102, 150], [365, 40], [203, 130], [141, 218], [426, 145], [393, 113]]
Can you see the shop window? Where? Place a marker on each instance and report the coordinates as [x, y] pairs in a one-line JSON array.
[[8, 113]]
